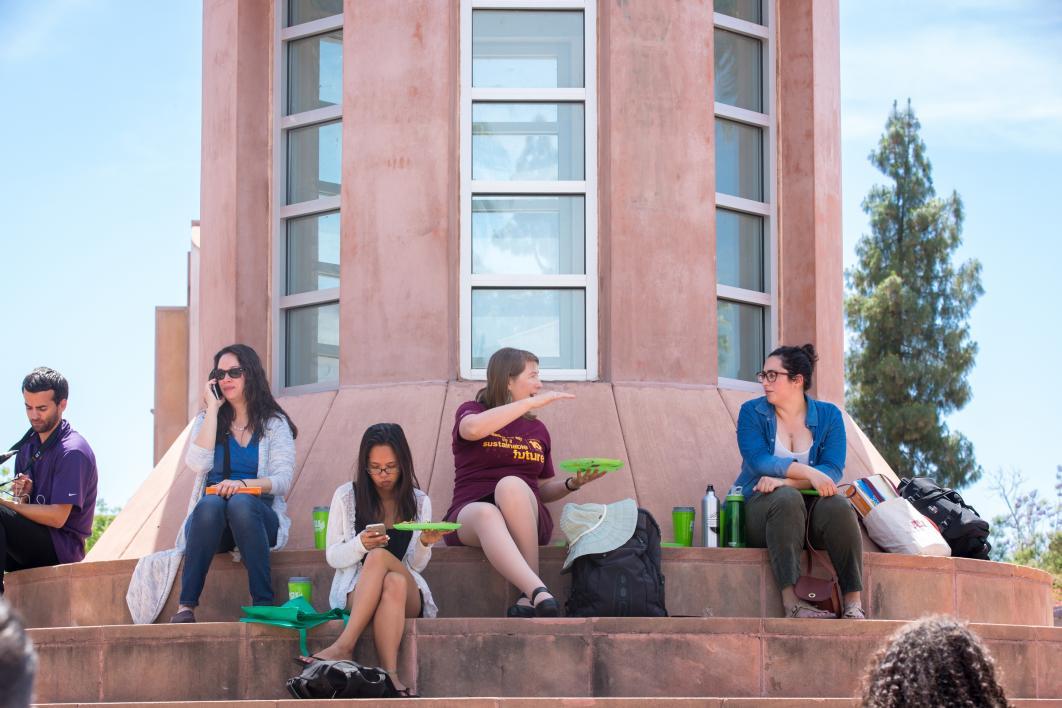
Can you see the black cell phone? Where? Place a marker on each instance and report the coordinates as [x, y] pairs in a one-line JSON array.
[[216, 390]]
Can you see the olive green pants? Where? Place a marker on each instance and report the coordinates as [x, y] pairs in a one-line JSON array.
[[776, 521]]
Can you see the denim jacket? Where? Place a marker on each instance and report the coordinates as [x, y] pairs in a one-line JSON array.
[[757, 428]]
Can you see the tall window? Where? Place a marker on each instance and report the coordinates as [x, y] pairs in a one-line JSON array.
[[528, 184], [744, 168], [308, 151]]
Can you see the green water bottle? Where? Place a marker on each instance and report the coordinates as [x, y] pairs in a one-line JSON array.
[[735, 518]]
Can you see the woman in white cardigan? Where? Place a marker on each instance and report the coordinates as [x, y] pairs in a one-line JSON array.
[[379, 574], [242, 441]]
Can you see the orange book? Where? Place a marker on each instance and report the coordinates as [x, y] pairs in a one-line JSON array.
[[257, 491]]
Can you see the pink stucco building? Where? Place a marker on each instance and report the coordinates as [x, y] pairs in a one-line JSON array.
[[644, 193]]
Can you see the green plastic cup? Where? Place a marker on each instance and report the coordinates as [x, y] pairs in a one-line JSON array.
[[682, 518], [300, 587], [320, 527]]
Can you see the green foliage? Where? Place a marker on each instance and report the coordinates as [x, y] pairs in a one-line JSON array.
[[907, 309], [104, 516], [1030, 533]]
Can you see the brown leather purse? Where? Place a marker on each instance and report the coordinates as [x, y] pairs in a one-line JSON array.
[[823, 593]]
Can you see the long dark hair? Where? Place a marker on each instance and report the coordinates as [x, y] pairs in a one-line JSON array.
[[367, 506], [798, 360], [261, 406], [933, 661], [504, 364]]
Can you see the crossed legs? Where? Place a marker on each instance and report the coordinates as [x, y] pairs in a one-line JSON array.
[[386, 595], [507, 531]]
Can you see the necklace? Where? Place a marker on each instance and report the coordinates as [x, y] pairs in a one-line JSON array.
[[238, 429]]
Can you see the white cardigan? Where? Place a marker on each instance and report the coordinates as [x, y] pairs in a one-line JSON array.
[[344, 550]]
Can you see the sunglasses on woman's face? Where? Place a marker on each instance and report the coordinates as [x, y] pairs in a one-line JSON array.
[[233, 373]]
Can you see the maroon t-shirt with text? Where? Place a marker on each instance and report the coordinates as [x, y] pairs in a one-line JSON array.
[[520, 449]]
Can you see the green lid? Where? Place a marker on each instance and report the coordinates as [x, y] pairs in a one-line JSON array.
[[735, 497]]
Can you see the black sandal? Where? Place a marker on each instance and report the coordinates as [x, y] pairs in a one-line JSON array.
[[546, 608], [183, 617], [520, 611]]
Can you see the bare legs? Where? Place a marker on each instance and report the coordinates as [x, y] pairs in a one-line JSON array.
[[386, 595], [507, 531]]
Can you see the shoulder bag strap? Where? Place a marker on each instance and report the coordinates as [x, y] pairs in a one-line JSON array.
[[812, 552]]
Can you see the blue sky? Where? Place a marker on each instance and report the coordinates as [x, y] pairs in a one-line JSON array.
[[100, 179]]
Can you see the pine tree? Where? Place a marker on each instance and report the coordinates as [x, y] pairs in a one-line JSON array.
[[907, 309]]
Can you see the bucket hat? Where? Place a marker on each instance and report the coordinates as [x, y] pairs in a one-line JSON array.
[[597, 528]]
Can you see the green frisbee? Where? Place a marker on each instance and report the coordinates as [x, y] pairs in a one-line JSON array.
[[427, 526], [582, 464], [672, 544]]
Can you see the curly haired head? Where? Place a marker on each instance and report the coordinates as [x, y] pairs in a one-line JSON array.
[[934, 661]]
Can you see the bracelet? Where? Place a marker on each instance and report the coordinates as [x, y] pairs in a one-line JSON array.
[[568, 487], [243, 482]]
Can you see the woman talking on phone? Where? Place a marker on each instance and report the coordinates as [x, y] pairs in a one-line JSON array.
[[504, 474], [244, 444], [378, 568]]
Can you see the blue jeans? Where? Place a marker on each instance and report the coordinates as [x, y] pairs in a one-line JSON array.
[[217, 525]]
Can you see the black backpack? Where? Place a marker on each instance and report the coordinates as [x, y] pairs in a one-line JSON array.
[[959, 523], [625, 582]]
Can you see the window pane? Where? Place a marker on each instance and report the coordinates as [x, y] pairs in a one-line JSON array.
[[738, 70], [314, 162], [312, 345], [751, 10], [313, 253], [527, 49], [550, 323], [527, 141], [739, 250], [741, 340], [739, 159], [315, 72], [528, 235], [300, 11]]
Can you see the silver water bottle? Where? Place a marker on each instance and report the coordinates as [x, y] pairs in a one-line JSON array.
[[710, 518]]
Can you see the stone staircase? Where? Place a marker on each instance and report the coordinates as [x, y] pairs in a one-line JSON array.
[[725, 645]]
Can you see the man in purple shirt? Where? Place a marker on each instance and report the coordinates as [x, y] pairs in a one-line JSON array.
[[54, 490]]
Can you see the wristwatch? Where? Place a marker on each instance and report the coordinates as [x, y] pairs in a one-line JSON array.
[[569, 487]]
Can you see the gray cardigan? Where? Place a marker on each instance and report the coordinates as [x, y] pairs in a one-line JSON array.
[[155, 573]]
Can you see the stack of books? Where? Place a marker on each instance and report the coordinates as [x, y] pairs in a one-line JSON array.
[[868, 492]]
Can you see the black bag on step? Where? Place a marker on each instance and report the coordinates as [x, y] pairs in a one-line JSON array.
[[625, 582], [341, 679], [960, 525]]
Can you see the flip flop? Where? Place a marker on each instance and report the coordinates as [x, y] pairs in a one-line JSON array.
[[305, 661]]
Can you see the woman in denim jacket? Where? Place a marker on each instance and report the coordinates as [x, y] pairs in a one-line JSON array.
[[788, 442]]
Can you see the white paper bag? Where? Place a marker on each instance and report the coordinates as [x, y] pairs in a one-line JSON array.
[[898, 527]]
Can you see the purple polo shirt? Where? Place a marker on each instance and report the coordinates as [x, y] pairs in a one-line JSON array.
[[65, 474]]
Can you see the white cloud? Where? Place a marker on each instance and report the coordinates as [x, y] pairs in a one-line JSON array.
[[973, 78]]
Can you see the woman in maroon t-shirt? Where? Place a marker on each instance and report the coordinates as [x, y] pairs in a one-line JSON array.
[[504, 474]]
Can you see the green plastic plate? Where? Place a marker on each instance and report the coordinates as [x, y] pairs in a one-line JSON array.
[[580, 464], [427, 526], [809, 492], [672, 544]]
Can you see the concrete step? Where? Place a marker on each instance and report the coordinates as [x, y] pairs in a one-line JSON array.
[[530, 703], [701, 582], [600, 657]]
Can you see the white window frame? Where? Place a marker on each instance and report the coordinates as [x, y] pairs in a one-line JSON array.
[[768, 209], [282, 212], [587, 95]]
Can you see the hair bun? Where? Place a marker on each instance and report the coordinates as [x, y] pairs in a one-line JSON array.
[[809, 349]]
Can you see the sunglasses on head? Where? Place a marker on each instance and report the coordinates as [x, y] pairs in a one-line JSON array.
[[233, 373]]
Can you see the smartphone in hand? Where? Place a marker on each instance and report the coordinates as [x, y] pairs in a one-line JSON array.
[[378, 529], [216, 390]]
